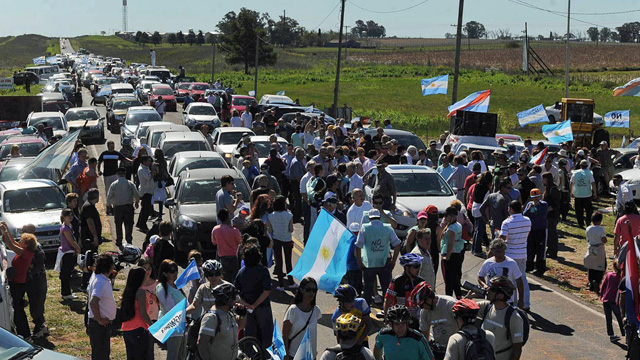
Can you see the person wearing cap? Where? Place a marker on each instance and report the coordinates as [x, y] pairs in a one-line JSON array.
[[452, 252], [226, 238], [536, 210], [583, 190], [465, 312], [331, 204], [524, 184], [122, 195], [433, 153], [423, 240], [549, 166], [373, 244], [441, 141], [459, 177], [563, 186], [563, 154], [385, 185], [258, 126], [512, 155], [240, 220], [501, 157], [606, 156]]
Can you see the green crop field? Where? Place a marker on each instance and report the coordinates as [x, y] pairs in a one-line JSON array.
[[18, 51]]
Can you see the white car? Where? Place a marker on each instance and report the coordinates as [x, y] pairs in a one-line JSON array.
[[155, 131], [55, 120], [631, 178], [225, 140], [172, 143], [554, 113], [200, 113], [263, 145], [417, 187], [136, 115]]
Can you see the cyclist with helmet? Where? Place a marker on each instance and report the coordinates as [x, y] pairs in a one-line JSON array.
[[399, 290], [508, 342], [465, 312], [204, 299], [398, 341], [349, 303], [218, 338], [347, 327]]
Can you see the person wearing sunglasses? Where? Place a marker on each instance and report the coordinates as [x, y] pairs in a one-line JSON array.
[[300, 315], [203, 301], [398, 341], [168, 296], [399, 290]]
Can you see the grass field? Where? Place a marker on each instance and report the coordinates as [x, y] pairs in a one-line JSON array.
[[18, 51]]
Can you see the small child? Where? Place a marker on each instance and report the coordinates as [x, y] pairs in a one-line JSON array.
[[595, 259], [609, 297]]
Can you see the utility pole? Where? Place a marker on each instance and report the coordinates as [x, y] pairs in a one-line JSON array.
[[525, 53], [346, 35], [255, 80], [454, 95], [213, 62], [334, 108], [566, 70]]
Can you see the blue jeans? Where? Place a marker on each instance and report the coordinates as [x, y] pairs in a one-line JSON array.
[[479, 234], [384, 276], [611, 307]]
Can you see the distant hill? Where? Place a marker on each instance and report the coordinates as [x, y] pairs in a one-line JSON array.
[[18, 51]]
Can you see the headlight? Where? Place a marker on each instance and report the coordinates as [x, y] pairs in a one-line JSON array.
[[191, 121], [227, 155], [186, 222]]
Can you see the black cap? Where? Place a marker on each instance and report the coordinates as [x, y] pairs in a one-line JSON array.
[[121, 170]]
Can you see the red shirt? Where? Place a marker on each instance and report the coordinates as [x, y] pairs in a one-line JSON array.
[[472, 188], [622, 229], [227, 238], [470, 180], [21, 264]]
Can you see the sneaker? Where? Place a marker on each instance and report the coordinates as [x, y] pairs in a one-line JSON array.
[[280, 288], [69, 297], [614, 338], [377, 299]]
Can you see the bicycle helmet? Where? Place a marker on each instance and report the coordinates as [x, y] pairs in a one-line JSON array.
[[398, 313], [420, 294], [502, 284], [130, 254], [410, 259], [345, 293], [225, 293], [212, 268], [348, 322], [465, 309]]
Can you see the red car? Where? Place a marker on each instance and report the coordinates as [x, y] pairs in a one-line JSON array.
[[182, 90], [196, 89], [166, 92], [30, 146], [240, 102]]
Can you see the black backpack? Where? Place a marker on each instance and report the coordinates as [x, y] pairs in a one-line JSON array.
[[507, 321], [194, 331], [477, 347], [353, 353]]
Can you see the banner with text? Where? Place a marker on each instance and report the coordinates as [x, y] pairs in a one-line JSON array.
[[618, 118]]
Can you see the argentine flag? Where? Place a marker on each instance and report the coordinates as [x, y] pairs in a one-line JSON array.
[[190, 273], [304, 350], [325, 256], [39, 60], [619, 118], [558, 133], [532, 116], [51, 60], [436, 85], [172, 322], [277, 349]]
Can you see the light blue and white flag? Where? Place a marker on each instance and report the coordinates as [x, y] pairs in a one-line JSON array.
[[618, 118], [532, 116], [281, 92], [558, 133], [39, 60], [277, 349], [190, 273], [52, 60], [305, 351], [325, 256], [436, 85], [172, 322]]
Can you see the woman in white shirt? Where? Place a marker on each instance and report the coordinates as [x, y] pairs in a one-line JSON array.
[[280, 228], [235, 121], [302, 314]]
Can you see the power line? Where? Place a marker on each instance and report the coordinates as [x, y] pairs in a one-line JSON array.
[[326, 17], [387, 12], [557, 13], [607, 13]]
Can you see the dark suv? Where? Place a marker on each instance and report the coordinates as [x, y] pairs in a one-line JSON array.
[[193, 209]]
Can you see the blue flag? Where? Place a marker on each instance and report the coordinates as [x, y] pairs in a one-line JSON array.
[[436, 85], [281, 92], [39, 60], [190, 273], [277, 349], [172, 322], [51, 60], [558, 133], [305, 351], [532, 116], [619, 118]]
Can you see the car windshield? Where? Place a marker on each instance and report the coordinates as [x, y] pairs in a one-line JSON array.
[[242, 101], [200, 87], [35, 199], [148, 85], [138, 117], [54, 122], [199, 163], [230, 138], [9, 173], [162, 91], [184, 86], [421, 184], [11, 345], [141, 131], [264, 147], [202, 110], [81, 115], [408, 140], [172, 148], [634, 144], [119, 105], [204, 191], [26, 149]]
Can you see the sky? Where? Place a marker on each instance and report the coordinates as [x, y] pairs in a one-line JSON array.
[[430, 18]]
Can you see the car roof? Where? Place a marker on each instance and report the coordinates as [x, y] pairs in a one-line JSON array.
[[194, 104], [389, 132], [22, 139], [141, 108], [160, 85], [184, 136], [242, 96], [482, 147], [163, 125], [198, 154], [83, 109], [229, 129], [210, 174], [17, 161], [262, 138], [46, 114], [409, 168], [26, 184], [199, 83], [121, 86]]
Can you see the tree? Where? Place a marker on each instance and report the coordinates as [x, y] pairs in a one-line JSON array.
[[172, 39], [449, 36], [239, 36], [629, 32], [593, 33], [368, 29], [200, 38], [156, 38], [138, 37], [474, 30], [180, 37], [285, 32], [191, 37], [605, 34], [103, 33]]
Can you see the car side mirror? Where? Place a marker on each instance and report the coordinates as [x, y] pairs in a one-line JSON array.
[[171, 202], [237, 156], [455, 190]]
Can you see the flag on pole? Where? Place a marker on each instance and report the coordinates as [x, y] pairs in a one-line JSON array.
[[436, 85], [558, 133], [618, 118], [39, 60], [277, 349], [632, 88], [632, 283], [190, 273], [539, 158], [478, 102], [51, 60], [324, 258], [175, 321], [532, 116], [281, 92], [304, 350]]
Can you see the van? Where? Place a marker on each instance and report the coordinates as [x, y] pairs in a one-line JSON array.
[[44, 72]]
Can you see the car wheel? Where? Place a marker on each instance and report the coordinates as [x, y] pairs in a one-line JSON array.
[[600, 186], [552, 119]]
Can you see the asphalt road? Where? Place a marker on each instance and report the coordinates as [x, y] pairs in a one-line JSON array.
[[562, 325]]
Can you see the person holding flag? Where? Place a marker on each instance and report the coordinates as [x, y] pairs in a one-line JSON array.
[[169, 295], [302, 315]]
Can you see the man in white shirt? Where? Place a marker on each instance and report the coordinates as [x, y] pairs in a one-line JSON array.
[[515, 230], [367, 163], [306, 208], [102, 308], [355, 181], [359, 206], [247, 118], [502, 265], [623, 194]]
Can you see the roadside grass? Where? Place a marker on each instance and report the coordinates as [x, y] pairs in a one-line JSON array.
[[19, 50], [20, 90]]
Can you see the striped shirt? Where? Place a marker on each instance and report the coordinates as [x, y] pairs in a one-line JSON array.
[[280, 221], [516, 229]]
